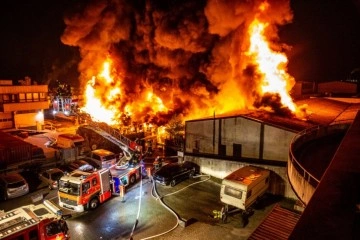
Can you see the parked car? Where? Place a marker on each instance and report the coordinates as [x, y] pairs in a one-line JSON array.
[[13, 185], [51, 177], [80, 164], [173, 173]]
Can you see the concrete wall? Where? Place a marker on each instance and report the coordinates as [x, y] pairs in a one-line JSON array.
[[242, 131], [26, 120], [276, 143], [337, 87], [6, 120], [279, 184], [300, 184], [200, 136], [24, 89], [256, 140]]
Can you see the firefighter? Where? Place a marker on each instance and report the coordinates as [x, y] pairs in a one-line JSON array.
[[157, 163]]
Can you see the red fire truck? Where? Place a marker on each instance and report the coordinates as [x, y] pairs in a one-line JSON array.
[[79, 190], [41, 221]]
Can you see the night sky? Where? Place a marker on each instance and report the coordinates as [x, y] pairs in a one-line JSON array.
[[324, 35]]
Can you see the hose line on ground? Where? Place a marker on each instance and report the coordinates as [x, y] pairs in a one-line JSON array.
[[154, 191], [139, 208]]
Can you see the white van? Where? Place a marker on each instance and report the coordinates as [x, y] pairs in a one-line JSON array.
[[104, 158], [244, 186]]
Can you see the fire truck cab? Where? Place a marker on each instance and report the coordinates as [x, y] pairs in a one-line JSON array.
[[41, 221], [79, 191]]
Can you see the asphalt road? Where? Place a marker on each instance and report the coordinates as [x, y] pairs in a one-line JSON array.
[[182, 212]]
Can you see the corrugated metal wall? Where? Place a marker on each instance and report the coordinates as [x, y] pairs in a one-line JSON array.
[[13, 150]]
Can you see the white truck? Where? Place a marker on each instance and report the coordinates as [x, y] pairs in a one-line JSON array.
[[241, 189]]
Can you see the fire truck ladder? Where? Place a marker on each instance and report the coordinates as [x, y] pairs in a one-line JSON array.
[[113, 136], [14, 221], [64, 103]]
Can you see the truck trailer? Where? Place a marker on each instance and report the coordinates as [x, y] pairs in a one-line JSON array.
[[242, 188]]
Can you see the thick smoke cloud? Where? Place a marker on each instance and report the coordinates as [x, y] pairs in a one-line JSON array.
[[191, 53]]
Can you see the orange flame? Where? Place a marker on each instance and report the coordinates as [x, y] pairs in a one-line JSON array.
[[107, 98], [271, 65], [103, 94], [94, 104]]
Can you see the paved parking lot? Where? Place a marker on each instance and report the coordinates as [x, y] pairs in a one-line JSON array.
[[193, 202]]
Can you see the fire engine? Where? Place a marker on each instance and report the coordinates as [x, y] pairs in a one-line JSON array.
[[41, 221], [80, 191]]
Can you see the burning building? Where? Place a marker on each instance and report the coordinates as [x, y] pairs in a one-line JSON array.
[[215, 61], [151, 60]]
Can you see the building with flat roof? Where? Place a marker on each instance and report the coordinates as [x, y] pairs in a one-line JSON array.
[[22, 106]]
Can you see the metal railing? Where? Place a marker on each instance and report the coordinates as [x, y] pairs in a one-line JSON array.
[[308, 135], [114, 136]]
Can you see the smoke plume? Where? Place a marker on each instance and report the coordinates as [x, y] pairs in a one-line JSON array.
[[190, 53]]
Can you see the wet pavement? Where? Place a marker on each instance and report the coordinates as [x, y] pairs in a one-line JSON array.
[[181, 212], [185, 211]]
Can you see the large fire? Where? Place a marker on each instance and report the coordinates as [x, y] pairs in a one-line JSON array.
[[177, 62]]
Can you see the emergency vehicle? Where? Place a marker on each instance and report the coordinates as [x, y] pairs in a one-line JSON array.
[[126, 176], [80, 191], [41, 221]]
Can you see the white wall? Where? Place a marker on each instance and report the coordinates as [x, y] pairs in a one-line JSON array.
[[239, 130], [276, 143], [279, 183]]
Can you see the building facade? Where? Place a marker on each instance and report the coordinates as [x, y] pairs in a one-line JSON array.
[[222, 145], [22, 106]]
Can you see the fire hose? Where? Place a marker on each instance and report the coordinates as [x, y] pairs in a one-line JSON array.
[[155, 194]]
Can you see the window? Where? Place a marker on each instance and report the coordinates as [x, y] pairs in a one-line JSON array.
[[14, 98], [233, 192], [22, 97], [94, 182], [85, 187], [6, 98], [29, 97], [53, 229], [43, 96], [36, 97]]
